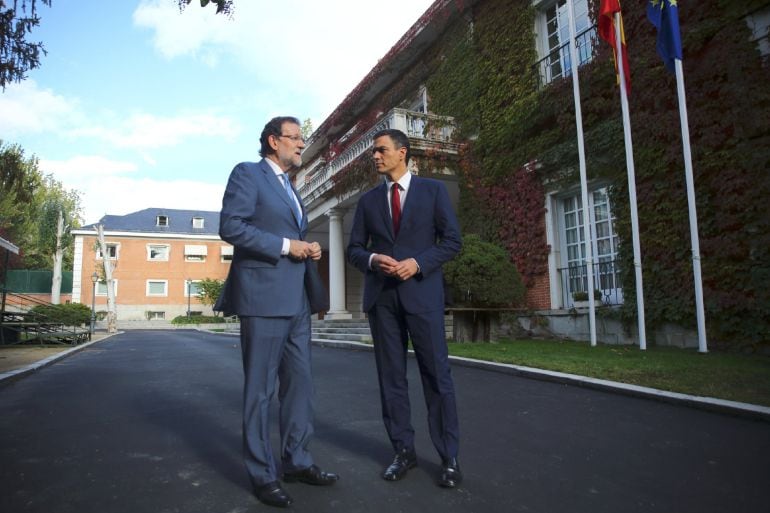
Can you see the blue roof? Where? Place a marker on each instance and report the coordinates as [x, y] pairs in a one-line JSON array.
[[177, 221]]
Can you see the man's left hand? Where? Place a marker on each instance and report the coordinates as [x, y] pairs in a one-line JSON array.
[[406, 269]]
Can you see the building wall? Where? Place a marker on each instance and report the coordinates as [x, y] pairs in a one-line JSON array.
[[133, 270]]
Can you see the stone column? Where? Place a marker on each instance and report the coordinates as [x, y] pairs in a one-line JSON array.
[[337, 308]]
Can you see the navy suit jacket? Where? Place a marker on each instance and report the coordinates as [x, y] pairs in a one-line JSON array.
[[256, 216], [428, 232]]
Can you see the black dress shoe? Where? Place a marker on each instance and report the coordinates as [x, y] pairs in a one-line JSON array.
[[311, 475], [403, 461], [450, 476], [273, 495]]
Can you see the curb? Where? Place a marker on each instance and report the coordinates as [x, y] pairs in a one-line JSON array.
[[723, 406], [15, 374]]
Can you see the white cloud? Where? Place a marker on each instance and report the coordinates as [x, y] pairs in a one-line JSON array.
[[27, 109], [317, 49], [145, 131], [109, 187]]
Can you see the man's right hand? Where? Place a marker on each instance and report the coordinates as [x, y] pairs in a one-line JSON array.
[[300, 250], [385, 264]]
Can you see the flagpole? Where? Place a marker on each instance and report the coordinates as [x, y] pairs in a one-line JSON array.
[[631, 185], [583, 175], [699, 310]]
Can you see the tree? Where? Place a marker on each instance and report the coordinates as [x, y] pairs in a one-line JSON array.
[[210, 290], [482, 275], [223, 6], [20, 183], [307, 128], [59, 214], [17, 55], [29, 206], [109, 266]]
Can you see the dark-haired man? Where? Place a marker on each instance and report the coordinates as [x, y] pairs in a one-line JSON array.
[[403, 232], [264, 219]]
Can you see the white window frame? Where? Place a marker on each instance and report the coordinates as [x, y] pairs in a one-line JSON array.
[[102, 283], [603, 236], [225, 254], [193, 283], [110, 245], [195, 257], [149, 252], [152, 315], [165, 288], [552, 36], [159, 218], [198, 222]]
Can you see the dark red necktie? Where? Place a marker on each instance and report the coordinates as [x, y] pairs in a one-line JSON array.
[[395, 207]]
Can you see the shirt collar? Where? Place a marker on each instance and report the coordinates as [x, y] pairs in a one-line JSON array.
[[403, 182], [277, 170]]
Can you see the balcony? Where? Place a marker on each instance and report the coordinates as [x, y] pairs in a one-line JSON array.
[[557, 64], [417, 125], [606, 280]]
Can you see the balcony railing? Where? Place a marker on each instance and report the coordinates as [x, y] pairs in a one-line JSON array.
[[606, 279], [557, 64], [416, 125]]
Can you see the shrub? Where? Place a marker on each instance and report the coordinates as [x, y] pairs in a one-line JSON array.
[[483, 275], [70, 314], [197, 319]]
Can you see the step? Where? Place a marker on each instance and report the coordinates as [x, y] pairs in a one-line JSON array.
[[341, 329], [342, 336]]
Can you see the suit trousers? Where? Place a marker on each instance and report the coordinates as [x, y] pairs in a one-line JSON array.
[[392, 327], [276, 354]]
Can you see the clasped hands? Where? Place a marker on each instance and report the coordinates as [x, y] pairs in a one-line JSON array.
[[389, 266], [300, 250]]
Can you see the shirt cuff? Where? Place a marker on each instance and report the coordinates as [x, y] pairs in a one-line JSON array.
[[285, 247], [371, 257]]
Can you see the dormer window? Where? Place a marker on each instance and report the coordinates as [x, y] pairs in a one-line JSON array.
[[197, 222], [161, 221]]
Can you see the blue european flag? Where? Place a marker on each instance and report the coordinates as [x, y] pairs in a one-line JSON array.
[[664, 14]]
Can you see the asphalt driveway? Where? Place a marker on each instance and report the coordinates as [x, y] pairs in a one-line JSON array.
[[149, 421]]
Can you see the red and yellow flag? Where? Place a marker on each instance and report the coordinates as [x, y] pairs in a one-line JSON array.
[[607, 11]]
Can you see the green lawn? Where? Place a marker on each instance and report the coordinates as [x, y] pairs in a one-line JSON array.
[[736, 377]]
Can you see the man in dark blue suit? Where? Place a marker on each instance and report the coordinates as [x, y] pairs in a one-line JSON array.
[[403, 232], [265, 221]]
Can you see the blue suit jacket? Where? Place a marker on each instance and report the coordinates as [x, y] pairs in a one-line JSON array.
[[256, 215], [429, 233]]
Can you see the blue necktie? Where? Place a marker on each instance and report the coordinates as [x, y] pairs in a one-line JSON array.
[[290, 193]]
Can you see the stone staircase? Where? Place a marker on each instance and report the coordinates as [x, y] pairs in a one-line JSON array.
[[342, 330]]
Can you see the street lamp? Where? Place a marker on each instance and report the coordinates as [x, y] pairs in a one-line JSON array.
[[94, 279], [189, 284]]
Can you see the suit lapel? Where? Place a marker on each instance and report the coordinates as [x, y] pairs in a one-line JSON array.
[[381, 200]]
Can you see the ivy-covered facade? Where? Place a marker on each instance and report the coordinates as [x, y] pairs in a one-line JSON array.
[[484, 89]]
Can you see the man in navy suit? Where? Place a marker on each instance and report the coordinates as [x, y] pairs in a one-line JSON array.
[[265, 221], [403, 232]]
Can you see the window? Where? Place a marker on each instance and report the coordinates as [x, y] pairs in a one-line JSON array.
[[113, 249], [553, 38], [194, 288], [195, 253], [157, 288], [604, 247], [161, 221], [226, 254], [759, 24], [158, 252], [197, 222], [155, 315], [101, 287]]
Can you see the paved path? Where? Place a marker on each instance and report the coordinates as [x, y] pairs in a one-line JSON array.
[[149, 421]]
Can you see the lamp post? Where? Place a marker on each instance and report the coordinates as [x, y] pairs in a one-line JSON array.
[[94, 279], [189, 284]]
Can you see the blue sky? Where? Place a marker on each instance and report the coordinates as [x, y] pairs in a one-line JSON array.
[[137, 105]]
